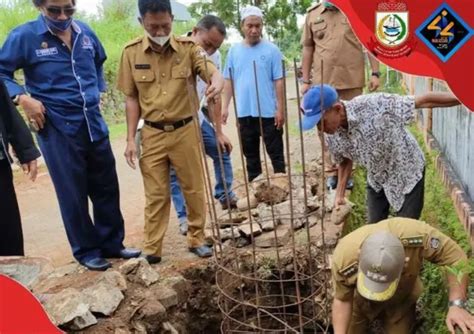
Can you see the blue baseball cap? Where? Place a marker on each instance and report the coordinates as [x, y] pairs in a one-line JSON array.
[[311, 104]]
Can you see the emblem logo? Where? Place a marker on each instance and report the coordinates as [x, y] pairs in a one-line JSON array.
[[392, 33], [44, 45], [444, 32]]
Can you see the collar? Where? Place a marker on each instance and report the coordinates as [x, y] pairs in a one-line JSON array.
[[172, 42], [41, 27]]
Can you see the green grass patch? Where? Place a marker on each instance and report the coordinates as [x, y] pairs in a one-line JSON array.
[[117, 130]]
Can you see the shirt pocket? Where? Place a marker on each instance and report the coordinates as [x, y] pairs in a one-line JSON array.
[[179, 80], [320, 31], [144, 79]]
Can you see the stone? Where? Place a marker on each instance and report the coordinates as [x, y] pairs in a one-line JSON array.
[[113, 278], [149, 316], [69, 309], [237, 218], [266, 218], [268, 240], [165, 295], [180, 285], [339, 214], [26, 270], [297, 211], [65, 270], [138, 270], [245, 203], [228, 233], [122, 331], [248, 228], [273, 192], [103, 298]]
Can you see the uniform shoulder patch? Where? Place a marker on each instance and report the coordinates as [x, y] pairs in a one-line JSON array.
[[349, 270], [435, 243], [134, 42], [415, 241], [313, 7]]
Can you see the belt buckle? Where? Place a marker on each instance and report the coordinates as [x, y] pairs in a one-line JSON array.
[[168, 128]]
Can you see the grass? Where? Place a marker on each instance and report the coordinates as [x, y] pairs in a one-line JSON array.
[[117, 131]]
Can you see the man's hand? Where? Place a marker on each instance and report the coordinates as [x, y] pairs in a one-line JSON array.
[[459, 317], [34, 110], [215, 88], [304, 88], [224, 143], [279, 120], [31, 169], [374, 83], [131, 153]]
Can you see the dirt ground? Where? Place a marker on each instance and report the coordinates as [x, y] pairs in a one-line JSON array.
[[44, 234]]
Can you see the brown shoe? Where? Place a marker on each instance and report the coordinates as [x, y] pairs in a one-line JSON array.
[[232, 202]]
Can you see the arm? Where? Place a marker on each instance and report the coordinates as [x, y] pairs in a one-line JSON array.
[[308, 51], [436, 100], [458, 316], [280, 114], [227, 97], [132, 109], [374, 82], [343, 174], [341, 315], [224, 142]]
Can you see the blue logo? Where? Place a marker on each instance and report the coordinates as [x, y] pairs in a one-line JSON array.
[[444, 32]]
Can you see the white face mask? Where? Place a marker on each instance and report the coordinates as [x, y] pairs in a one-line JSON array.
[[160, 40]]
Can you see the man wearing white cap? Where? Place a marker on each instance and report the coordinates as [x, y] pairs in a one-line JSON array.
[[375, 274], [270, 102], [371, 130]]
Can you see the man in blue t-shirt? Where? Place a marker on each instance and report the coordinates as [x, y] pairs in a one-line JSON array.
[[270, 102]]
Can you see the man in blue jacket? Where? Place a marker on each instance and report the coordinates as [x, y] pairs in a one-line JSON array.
[[62, 62]]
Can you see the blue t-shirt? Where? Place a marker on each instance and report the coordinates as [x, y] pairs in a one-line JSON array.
[[268, 59]]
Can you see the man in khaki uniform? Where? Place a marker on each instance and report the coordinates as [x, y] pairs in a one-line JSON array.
[[375, 273], [328, 36], [158, 75]]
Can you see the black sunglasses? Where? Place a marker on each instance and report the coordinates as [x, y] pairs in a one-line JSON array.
[[56, 11]]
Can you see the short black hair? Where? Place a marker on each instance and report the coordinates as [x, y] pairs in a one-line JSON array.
[[154, 6], [39, 3], [210, 21]]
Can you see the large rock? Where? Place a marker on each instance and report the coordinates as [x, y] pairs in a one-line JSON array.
[[26, 270], [292, 214], [268, 219], [236, 218], [340, 213], [113, 278], [228, 233], [103, 298], [69, 310], [138, 270], [180, 285], [275, 191], [245, 203], [269, 240], [165, 295], [248, 228], [66, 270], [149, 316]]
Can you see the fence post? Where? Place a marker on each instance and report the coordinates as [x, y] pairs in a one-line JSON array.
[[429, 114]]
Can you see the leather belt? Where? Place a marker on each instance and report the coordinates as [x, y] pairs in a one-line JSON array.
[[169, 127]]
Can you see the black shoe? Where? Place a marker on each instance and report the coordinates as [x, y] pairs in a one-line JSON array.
[[232, 203], [201, 251], [97, 264], [125, 253], [152, 259]]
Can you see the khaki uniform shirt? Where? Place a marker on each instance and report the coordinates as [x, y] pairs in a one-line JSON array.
[[164, 83], [421, 242], [335, 43]]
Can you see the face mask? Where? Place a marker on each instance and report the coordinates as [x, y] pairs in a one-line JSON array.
[[160, 40], [58, 25]]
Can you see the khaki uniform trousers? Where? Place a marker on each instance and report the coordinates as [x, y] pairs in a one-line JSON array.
[[346, 95], [396, 319], [160, 150]]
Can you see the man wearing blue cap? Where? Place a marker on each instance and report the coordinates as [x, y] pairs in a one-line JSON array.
[[370, 130]]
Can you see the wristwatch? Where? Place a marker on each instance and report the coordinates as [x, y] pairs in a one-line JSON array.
[[461, 303], [376, 74]]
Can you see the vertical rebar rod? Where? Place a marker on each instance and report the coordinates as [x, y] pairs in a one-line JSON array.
[[277, 251], [293, 245], [305, 187]]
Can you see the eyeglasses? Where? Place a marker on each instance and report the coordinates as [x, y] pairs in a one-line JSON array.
[[56, 11]]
